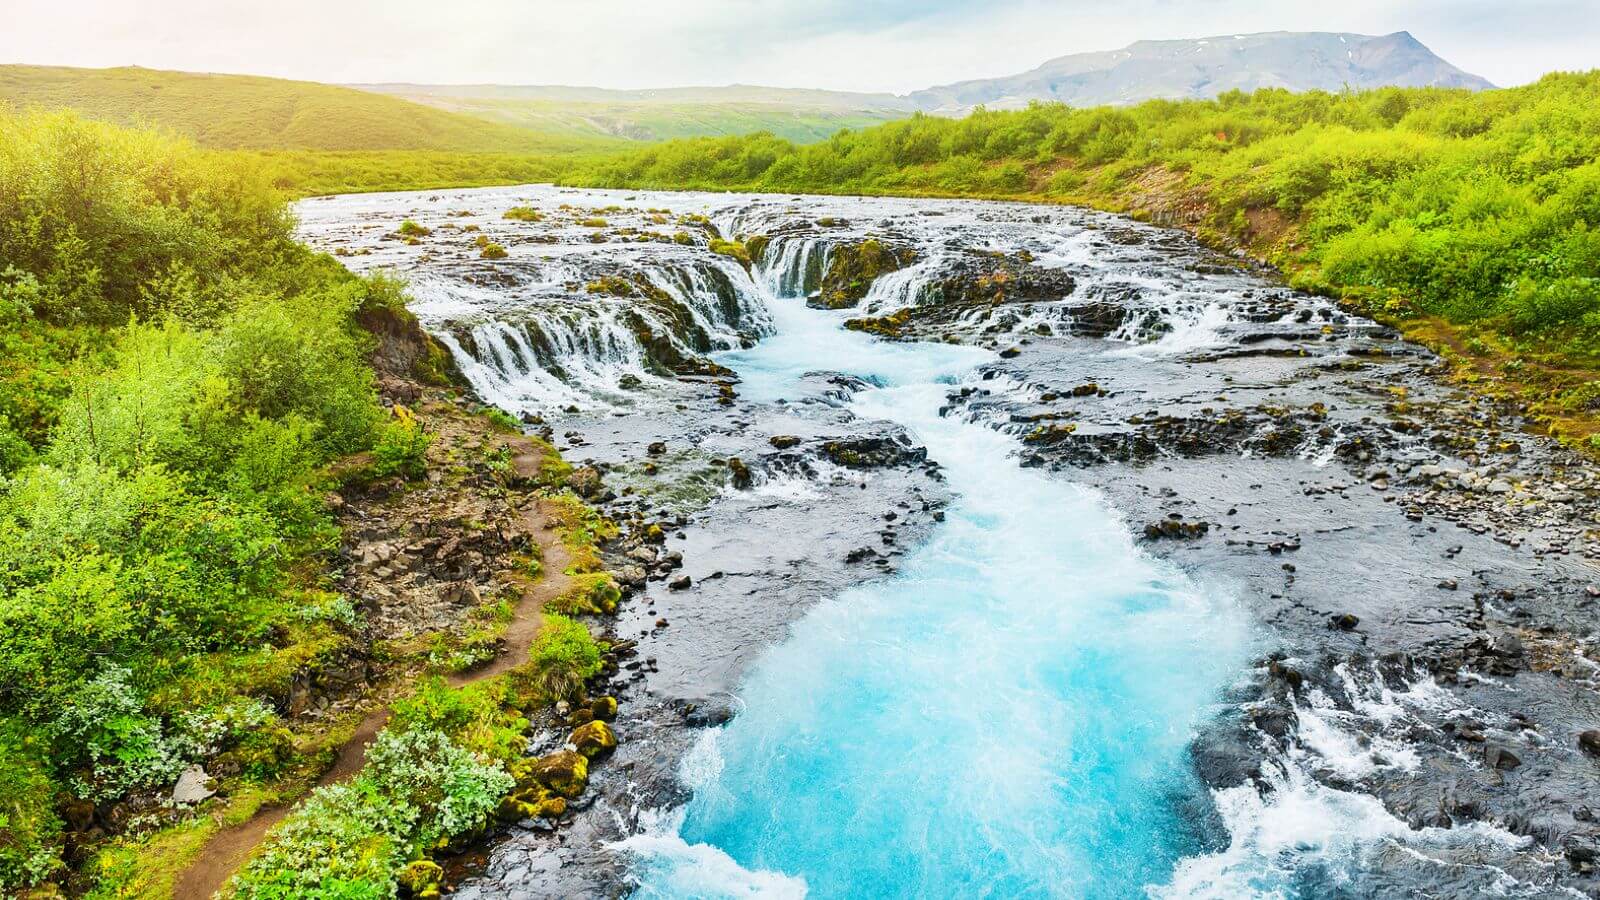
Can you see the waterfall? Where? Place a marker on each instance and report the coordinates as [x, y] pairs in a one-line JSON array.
[[551, 342], [797, 267]]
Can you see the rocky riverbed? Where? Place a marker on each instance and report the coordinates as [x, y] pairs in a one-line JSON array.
[[1418, 575]]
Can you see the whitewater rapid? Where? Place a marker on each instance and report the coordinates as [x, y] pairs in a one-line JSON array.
[[1006, 717], [1027, 705]]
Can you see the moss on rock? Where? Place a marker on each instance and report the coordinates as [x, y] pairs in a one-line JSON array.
[[593, 739], [564, 772], [853, 268]]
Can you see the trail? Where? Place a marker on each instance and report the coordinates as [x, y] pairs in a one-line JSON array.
[[225, 853]]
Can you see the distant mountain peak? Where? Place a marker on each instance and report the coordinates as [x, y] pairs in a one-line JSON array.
[[1200, 68]]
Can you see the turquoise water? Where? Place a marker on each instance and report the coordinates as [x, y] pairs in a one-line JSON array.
[[1007, 717]]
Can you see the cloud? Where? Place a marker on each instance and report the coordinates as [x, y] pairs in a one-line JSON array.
[[893, 45]]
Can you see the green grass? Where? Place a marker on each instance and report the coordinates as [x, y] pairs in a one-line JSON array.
[[802, 116], [247, 112], [309, 173]]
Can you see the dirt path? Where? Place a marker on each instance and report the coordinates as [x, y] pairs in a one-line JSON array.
[[225, 853]]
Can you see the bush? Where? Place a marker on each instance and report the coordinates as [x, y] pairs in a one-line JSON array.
[[402, 447], [94, 565], [524, 214], [417, 791], [563, 657], [491, 250], [299, 357], [105, 734], [173, 373], [30, 831], [102, 216]]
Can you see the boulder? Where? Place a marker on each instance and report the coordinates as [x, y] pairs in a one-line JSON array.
[[566, 772], [192, 787], [1499, 756], [593, 739]]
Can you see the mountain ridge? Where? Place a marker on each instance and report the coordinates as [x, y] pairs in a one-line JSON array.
[[1201, 68]]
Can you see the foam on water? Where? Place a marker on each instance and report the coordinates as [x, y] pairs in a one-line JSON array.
[[1007, 717]]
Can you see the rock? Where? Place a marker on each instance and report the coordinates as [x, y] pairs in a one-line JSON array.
[[585, 481], [1581, 851], [681, 583], [1589, 742], [593, 739], [1086, 390], [421, 878], [1448, 584], [192, 787], [708, 713], [565, 772], [784, 441], [1284, 673], [740, 472], [79, 814], [1010, 353], [1173, 528], [603, 708], [656, 449], [1499, 756], [1344, 621]]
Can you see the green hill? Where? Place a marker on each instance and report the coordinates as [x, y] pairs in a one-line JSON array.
[[254, 113], [796, 115]]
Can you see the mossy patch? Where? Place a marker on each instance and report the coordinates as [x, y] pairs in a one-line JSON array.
[[852, 268]]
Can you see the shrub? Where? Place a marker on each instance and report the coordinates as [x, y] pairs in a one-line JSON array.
[[412, 229], [402, 447], [299, 357], [30, 831], [101, 215], [417, 791], [492, 250], [104, 732], [562, 658], [524, 214]]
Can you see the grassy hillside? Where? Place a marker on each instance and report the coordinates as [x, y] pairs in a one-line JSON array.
[[801, 116], [247, 112], [1472, 220]]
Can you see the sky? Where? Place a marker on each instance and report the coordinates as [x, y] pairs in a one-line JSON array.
[[862, 45]]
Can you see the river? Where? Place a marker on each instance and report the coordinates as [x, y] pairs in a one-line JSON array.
[[967, 668]]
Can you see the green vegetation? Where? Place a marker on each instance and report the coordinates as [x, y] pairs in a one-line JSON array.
[[178, 372], [1469, 219], [796, 115], [235, 112], [307, 173], [562, 659], [853, 268], [433, 776], [448, 760]]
